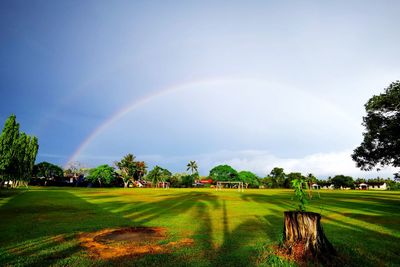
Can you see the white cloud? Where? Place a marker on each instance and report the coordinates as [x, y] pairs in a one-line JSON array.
[[320, 164]]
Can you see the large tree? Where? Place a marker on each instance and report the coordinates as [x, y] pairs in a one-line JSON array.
[[127, 167], [288, 183], [8, 141], [158, 174], [103, 174], [381, 144], [130, 169], [224, 173], [342, 181], [249, 179], [47, 170], [141, 170], [17, 153], [278, 176]]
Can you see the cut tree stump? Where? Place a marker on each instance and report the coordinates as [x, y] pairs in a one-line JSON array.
[[304, 237]]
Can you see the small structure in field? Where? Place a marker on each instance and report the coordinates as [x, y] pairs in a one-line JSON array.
[[164, 185], [363, 186], [230, 184], [315, 186], [377, 186], [373, 186], [202, 182], [330, 187]]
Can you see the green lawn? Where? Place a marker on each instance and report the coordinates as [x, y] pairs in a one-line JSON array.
[[39, 226]]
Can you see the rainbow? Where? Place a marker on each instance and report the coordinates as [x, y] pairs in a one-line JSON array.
[[137, 103]]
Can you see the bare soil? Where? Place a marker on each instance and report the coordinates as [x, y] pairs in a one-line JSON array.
[[133, 241]]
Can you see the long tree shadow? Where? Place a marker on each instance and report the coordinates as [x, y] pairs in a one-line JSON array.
[[143, 213], [199, 205], [39, 227], [357, 245], [356, 237], [59, 215], [237, 248]]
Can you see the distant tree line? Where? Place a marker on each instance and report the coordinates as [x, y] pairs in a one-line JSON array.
[[128, 172]]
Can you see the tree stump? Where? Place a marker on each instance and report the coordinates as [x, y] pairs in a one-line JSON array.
[[304, 238]]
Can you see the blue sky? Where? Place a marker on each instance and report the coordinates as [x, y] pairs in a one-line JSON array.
[[253, 84]]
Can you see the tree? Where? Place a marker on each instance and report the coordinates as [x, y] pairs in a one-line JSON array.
[[17, 153], [288, 182], [141, 170], [47, 170], [342, 181], [188, 180], [278, 176], [381, 143], [248, 178], [130, 169], [103, 174], [127, 167], [224, 173], [8, 140], [158, 174], [176, 179], [192, 166]]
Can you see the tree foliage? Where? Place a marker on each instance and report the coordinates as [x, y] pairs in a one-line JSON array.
[[17, 153], [158, 174], [130, 169], [141, 170], [290, 177], [182, 179], [192, 167], [103, 174], [300, 185], [248, 178], [224, 173], [381, 143], [342, 181], [189, 179], [127, 168], [276, 178], [47, 170]]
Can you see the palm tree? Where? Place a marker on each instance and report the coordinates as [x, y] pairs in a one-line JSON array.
[[141, 169], [155, 175], [127, 166], [192, 166], [158, 174]]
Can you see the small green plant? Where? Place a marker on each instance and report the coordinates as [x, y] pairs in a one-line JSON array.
[[300, 186]]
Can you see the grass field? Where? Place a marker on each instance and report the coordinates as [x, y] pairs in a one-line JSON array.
[[39, 226]]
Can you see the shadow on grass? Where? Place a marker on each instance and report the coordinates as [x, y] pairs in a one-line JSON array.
[[237, 248], [39, 228]]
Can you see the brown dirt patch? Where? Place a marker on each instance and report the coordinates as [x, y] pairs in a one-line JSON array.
[[296, 253], [122, 242]]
